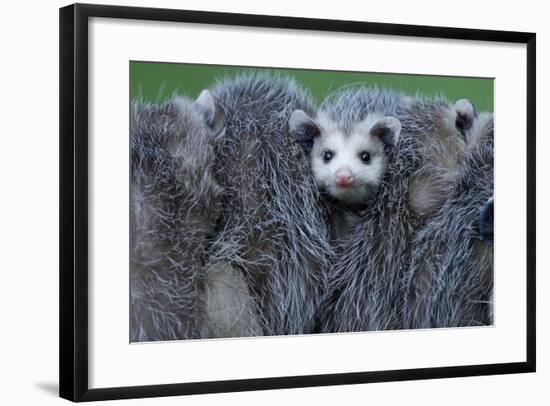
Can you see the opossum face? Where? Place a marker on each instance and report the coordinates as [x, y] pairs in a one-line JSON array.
[[347, 165]]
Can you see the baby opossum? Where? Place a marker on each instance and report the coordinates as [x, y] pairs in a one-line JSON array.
[[348, 162], [174, 203], [348, 144], [365, 291], [450, 280], [272, 227]]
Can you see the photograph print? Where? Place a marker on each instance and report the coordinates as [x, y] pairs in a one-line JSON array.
[[274, 202]]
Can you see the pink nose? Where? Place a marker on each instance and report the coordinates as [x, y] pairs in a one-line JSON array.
[[344, 178]]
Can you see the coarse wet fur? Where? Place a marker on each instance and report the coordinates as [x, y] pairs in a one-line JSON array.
[[366, 283], [272, 227], [450, 280], [174, 204]]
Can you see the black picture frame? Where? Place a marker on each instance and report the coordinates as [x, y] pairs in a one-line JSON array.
[[73, 180]]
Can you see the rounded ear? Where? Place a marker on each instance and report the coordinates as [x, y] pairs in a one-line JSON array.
[[388, 129], [206, 105], [303, 129], [465, 115]]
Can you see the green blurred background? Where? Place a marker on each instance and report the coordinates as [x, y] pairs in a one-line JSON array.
[[154, 82]]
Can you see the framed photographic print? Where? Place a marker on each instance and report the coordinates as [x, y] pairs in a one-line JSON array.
[[256, 202]]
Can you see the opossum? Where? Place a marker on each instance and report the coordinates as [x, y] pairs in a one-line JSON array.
[[348, 150], [350, 139], [444, 132], [174, 205], [272, 228], [450, 280], [347, 161], [366, 282]]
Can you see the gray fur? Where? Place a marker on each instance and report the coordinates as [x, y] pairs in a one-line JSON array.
[[442, 145], [230, 236], [366, 283], [350, 106], [174, 204], [272, 227], [346, 108], [486, 220], [450, 280], [365, 280], [430, 123]]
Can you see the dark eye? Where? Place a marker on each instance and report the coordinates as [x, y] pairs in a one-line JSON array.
[[365, 157], [327, 156]]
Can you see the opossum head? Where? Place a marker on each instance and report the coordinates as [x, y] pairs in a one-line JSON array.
[[348, 165], [469, 122], [180, 128], [182, 125], [445, 132]]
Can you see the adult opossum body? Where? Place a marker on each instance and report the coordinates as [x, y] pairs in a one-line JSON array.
[[450, 280], [174, 203], [366, 283], [272, 226]]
